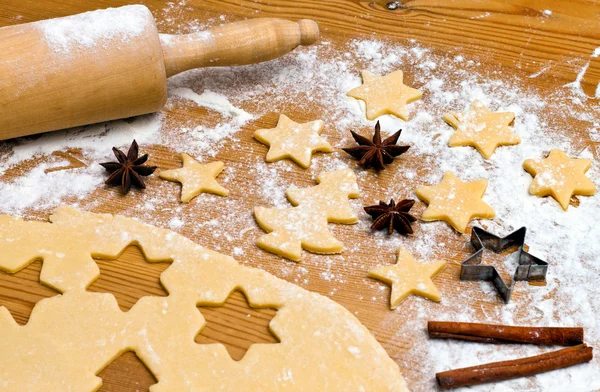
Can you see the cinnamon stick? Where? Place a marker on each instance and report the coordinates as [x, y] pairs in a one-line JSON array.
[[523, 367], [490, 333]]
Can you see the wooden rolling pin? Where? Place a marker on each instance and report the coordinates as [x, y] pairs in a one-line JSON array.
[[113, 63]]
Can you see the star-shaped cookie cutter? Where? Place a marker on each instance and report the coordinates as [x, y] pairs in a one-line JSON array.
[[530, 267]]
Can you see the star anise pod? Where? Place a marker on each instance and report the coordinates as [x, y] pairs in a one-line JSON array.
[[376, 153], [393, 216], [129, 169]]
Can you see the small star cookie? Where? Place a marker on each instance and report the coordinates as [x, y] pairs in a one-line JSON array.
[[560, 177], [408, 276], [455, 202], [385, 94], [294, 141], [196, 178], [482, 129]]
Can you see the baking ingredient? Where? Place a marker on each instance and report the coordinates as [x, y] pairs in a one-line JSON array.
[[385, 94], [408, 276], [560, 177], [455, 201], [70, 337], [376, 153], [494, 333], [522, 367], [305, 225], [129, 169], [294, 141], [392, 216], [482, 129], [196, 178]]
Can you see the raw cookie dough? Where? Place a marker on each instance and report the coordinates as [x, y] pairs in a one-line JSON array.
[[385, 94], [455, 202], [482, 129], [305, 225], [560, 177], [196, 178], [408, 276], [294, 141], [71, 337]]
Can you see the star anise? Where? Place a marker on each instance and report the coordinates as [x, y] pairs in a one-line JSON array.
[[393, 216], [376, 153], [129, 169]]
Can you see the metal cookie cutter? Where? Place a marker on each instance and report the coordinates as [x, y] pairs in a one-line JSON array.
[[530, 267]]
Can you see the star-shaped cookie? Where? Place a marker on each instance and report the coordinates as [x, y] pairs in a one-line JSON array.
[[560, 177], [455, 202], [385, 94], [408, 276], [482, 129], [294, 141], [196, 178]]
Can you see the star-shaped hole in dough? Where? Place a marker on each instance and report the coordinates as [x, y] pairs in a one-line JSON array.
[[385, 94], [21, 290], [237, 325], [196, 178], [482, 129], [560, 177], [408, 276], [292, 140], [455, 202]]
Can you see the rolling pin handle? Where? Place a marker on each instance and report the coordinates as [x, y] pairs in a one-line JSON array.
[[309, 32]]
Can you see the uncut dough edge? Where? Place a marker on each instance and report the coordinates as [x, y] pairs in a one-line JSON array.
[[73, 336]]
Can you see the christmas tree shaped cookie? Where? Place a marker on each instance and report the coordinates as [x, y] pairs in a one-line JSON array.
[[305, 225]]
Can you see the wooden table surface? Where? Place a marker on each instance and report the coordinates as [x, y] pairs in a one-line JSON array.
[[507, 34]]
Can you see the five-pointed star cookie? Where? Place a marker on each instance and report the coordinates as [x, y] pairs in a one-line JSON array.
[[560, 177], [455, 202], [482, 129], [196, 178], [408, 276], [294, 141], [385, 94]]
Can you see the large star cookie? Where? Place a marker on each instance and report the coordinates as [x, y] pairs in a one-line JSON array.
[[196, 178], [455, 202], [294, 141], [408, 276], [385, 94], [560, 177], [482, 129]]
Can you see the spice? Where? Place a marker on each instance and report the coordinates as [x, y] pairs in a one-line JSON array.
[[129, 169], [392, 216], [376, 153]]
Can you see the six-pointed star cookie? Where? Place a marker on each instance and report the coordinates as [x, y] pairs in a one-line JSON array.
[[292, 140], [408, 276], [196, 178], [455, 202], [482, 129], [385, 94], [560, 177]]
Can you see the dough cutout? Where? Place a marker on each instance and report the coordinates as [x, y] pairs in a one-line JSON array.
[[408, 276], [244, 328], [385, 94], [480, 128], [560, 177], [305, 225], [455, 202], [71, 337], [294, 141], [196, 178]]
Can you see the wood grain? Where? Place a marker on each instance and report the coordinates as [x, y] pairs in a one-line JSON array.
[[514, 35]]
